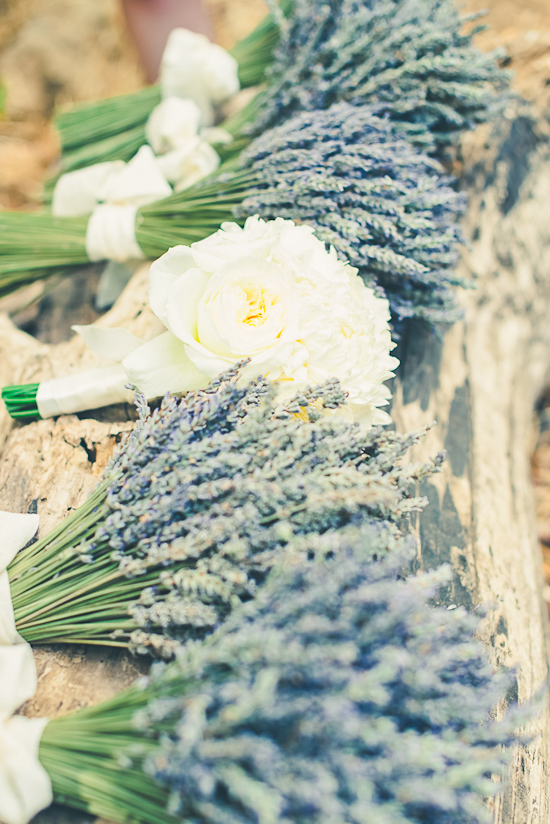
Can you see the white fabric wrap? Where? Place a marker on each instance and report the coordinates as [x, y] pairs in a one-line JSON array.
[[25, 787], [76, 193], [15, 532], [111, 234], [84, 390], [112, 194]]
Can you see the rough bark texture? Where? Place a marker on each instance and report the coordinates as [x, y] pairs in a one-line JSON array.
[[51, 466]]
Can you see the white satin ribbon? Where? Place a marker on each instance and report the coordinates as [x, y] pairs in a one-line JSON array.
[[77, 193], [25, 787], [84, 390], [112, 193], [111, 234], [16, 531]]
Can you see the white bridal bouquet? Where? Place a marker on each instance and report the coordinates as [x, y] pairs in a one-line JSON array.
[[269, 292]]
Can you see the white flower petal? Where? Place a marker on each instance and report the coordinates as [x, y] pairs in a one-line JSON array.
[[181, 312], [196, 165], [163, 273], [138, 183], [188, 164], [114, 343], [161, 366], [193, 67], [206, 362], [173, 123], [216, 136]]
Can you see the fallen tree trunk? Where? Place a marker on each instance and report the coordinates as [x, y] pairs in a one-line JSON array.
[[480, 382]]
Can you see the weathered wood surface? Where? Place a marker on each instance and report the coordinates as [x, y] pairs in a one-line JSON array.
[[50, 467], [480, 382]]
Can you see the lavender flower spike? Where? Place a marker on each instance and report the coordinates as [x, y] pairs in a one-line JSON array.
[[413, 57], [387, 208], [339, 695]]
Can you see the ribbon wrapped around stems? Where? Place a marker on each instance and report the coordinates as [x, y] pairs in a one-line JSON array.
[[112, 192], [25, 787]]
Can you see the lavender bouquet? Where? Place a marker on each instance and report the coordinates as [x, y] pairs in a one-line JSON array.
[[414, 56], [338, 694], [408, 57], [348, 172], [196, 508]]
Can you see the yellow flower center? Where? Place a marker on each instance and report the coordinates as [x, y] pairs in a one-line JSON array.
[[254, 307]]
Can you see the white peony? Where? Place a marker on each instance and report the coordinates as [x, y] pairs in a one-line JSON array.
[[193, 67], [272, 293]]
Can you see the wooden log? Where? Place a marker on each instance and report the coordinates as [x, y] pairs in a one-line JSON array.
[[51, 466], [480, 383]]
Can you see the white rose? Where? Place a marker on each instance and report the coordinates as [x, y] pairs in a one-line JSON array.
[[171, 124], [272, 293], [193, 67]]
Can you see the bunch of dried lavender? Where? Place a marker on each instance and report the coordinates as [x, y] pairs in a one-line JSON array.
[[339, 694], [196, 508], [346, 171], [412, 56], [383, 205]]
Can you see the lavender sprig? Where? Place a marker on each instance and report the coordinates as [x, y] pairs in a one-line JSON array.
[[198, 506], [414, 57], [384, 206]]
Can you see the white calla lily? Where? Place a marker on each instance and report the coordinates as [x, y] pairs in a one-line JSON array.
[[161, 365]]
